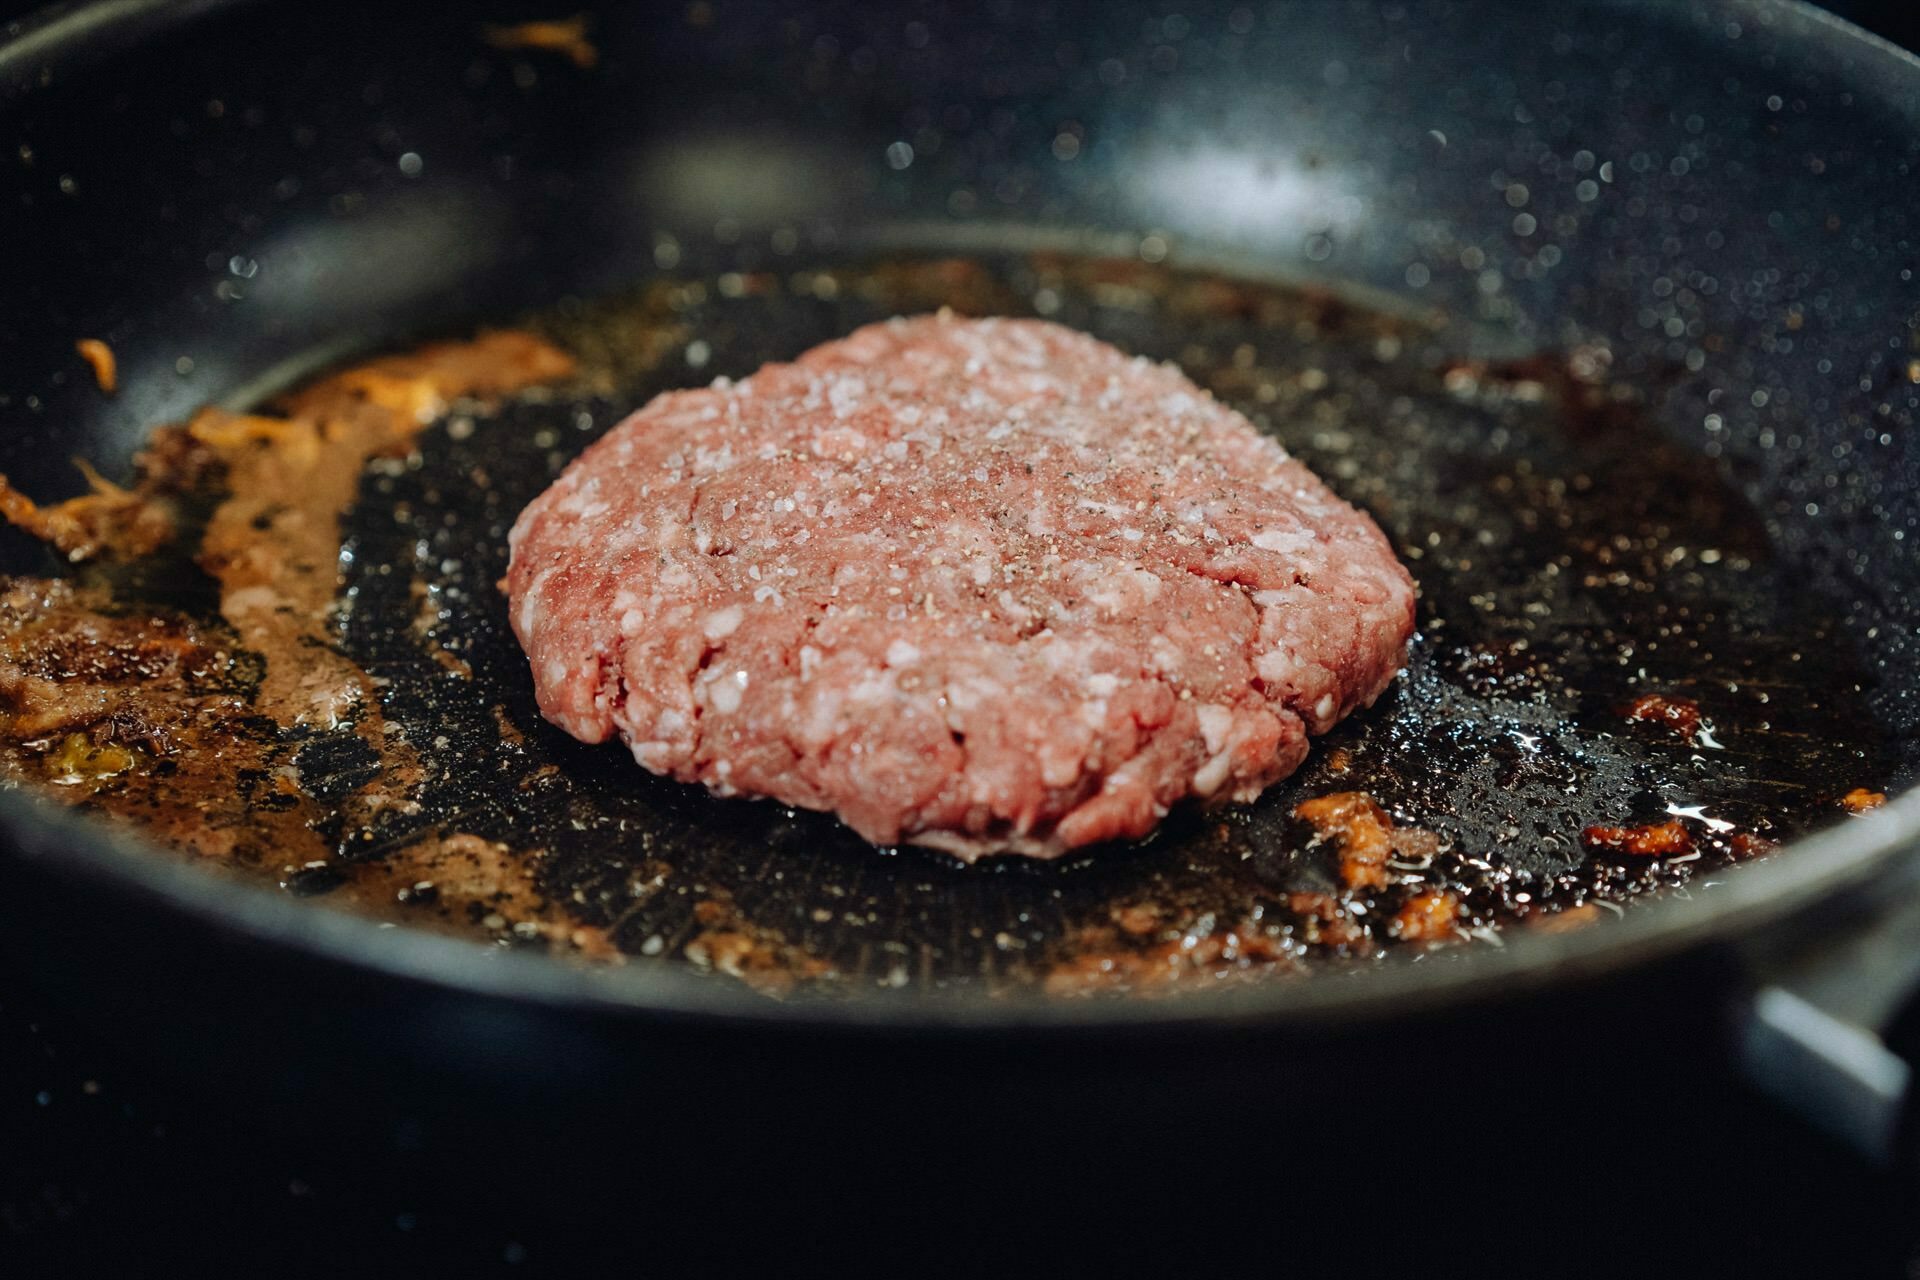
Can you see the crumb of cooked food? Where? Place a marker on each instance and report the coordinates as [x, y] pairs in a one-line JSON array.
[[1429, 916], [1680, 715], [1138, 919], [1366, 837], [1326, 922], [109, 521], [1861, 800], [1748, 845], [1361, 828], [565, 36], [985, 586], [99, 358], [1657, 840]]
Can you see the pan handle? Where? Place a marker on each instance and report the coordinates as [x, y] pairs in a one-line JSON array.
[[1831, 1024]]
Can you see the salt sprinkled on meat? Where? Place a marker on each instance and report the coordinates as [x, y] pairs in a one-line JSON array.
[[983, 585]]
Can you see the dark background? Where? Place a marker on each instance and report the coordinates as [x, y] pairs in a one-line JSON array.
[[1897, 20], [106, 1169]]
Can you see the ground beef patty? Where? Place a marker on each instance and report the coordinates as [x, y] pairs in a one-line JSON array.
[[984, 585]]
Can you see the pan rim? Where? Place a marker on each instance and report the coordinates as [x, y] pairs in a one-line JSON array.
[[115, 859], [1805, 874]]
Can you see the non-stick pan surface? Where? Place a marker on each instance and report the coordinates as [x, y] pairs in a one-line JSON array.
[[1571, 560], [1732, 239]]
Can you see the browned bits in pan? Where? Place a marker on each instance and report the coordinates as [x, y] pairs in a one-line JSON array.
[[1366, 837], [1861, 800], [1681, 715], [273, 543], [99, 357], [1659, 840], [1747, 845], [1239, 951], [727, 942], [1428, 917], [1326, 922], [223, 431], [144, 715], [110, 521], [1362, 830], [1137, 918], [565, 36]]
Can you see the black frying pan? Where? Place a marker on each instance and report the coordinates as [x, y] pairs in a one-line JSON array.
[[235, 195]]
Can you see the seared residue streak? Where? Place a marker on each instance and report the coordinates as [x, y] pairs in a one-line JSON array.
[[274, 543], [234, 738]]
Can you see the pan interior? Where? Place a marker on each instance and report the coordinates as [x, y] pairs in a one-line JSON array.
[[1570, 559]]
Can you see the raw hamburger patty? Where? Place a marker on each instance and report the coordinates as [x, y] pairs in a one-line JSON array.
[[984, 585]]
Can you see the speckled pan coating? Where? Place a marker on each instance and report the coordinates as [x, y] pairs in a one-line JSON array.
[[983, 585]]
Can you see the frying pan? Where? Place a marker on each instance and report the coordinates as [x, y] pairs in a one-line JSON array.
[[235, 195]]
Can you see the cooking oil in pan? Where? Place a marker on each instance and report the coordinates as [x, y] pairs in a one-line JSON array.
[[1615, 692]]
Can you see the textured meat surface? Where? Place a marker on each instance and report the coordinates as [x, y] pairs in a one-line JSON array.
[[983, 585]]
